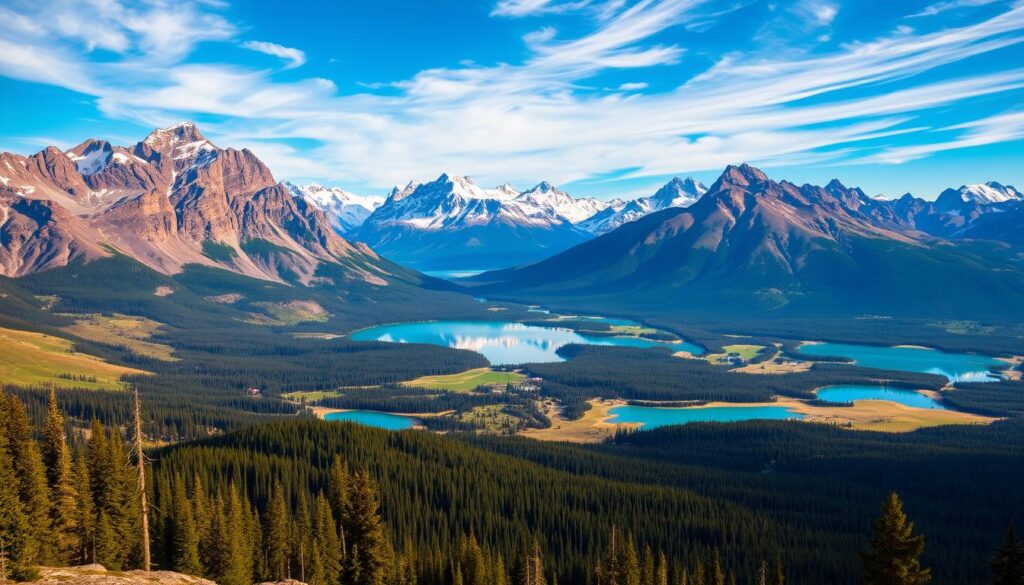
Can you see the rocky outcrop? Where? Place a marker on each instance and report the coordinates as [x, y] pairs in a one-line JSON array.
[[167, 201], [98, 575]]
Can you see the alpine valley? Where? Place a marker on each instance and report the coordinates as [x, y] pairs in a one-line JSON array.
[[699, 386]]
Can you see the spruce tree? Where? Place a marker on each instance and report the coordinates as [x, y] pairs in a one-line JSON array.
[[893, 555], [661, 572], [30, 478], [275, 531], [326, 533], [715, 576], [86, 512], [184, 537], [1008, 563], [65, 517], [238, 568], [367, 561], [779, 576], [16, 554]]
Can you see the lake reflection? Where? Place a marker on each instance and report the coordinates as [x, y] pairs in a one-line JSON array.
[[503, 343]]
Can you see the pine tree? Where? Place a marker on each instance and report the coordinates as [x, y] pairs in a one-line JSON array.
[[893, 556], [326, 533], [30, 478], [715, 575], [337, 495], [16, 554], [368, 559], [780, 577], [1008, 563], [64, 513], [238, 568], [276, 535], [762, 573], [184, 537], [214, 543], [661, 573], [647, 566], [86, 512], [474, 571], [629, 564]]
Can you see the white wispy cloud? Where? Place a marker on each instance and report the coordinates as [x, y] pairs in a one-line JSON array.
[[541, 118], [295, 57], [947, 5], [520, 8]]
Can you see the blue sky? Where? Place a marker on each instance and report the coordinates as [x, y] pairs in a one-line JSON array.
[[603, 97]]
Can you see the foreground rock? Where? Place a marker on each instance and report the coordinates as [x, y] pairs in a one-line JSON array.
[[98, 575]]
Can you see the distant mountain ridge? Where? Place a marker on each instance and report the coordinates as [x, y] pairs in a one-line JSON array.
[[170, 200], [346, 211], [676, 193], [453, 223], [757, 243]]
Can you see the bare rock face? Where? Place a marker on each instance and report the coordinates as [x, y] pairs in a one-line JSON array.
[[98, 575], [54, 166], [37, 235], [162, 202]]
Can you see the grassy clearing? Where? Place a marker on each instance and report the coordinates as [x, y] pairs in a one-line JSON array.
[[466, 381], [311, 395], [747, 352], [290, 313], [591, 428], [35, 359], [633, 330], [492, 418], [131, 332], [311, 335]]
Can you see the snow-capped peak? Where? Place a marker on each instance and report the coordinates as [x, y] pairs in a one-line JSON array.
[[91, 157], [988, 193], [676, 193], [346, 210]]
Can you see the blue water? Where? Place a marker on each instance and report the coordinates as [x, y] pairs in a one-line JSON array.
[[652, 417], [504, 343], [452, 274], [957, 367], [372, 418], [856, 392]]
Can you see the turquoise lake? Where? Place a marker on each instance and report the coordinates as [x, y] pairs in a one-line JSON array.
[[652, 417], [957, 367], [453, 274], [502, 342], [372, 418], [857, 392]]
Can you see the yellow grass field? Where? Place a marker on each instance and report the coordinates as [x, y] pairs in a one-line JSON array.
[[465, 381], [131, 332], [31, 359]]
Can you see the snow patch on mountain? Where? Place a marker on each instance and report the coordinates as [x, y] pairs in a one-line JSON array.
[[346, 210], [676, 193], [988, 193]]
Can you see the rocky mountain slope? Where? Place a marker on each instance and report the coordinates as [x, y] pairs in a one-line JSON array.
[[170, 200], [757, 243]]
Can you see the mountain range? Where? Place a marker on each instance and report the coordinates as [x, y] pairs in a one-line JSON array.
[[171, 200], [175, 199], [453, 223], [753, 243]]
